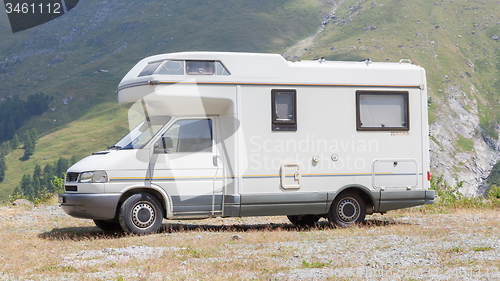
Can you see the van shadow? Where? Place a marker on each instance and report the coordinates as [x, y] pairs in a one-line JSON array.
[[79, 234], [93, 233], [322, 225]]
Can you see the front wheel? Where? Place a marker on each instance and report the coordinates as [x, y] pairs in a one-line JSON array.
[[141, 213], [347, 209]]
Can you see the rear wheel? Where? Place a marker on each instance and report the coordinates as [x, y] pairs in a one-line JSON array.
[[108, 226], [347, 209], [141, 213], [304, 220]]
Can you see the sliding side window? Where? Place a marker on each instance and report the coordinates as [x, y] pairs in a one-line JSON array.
[[382, 111], [284, 110]]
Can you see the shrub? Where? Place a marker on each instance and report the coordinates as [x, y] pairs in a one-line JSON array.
[[43, 196], [450, 196], [494, 192]]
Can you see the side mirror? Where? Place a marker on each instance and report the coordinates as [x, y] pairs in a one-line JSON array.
[[167, 142], [162, 145]]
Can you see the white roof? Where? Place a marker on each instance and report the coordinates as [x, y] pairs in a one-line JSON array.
[[255, 68]]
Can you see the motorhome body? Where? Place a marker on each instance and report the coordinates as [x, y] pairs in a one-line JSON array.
[[238, 134]]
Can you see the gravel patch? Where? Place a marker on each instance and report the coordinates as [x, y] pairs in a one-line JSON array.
[[415, 246], [111, 255]]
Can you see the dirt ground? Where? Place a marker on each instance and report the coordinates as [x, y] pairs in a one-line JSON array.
[[43, 243]]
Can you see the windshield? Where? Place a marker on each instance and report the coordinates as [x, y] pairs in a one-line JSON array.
[[142, 133]]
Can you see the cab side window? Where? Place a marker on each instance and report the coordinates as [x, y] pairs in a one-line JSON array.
[[190, 135]]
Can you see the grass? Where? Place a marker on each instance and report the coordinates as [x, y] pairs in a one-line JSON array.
[[445, 238], [482, 248], [465, 144], [315, 264], [45, 246]]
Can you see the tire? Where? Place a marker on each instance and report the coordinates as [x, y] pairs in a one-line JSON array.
[[347, 210], [304, 220], [108, 226], [141, 214]]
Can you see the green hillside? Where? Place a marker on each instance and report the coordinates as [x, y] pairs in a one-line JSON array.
[[453, 39], [457, 42], [63, 57]]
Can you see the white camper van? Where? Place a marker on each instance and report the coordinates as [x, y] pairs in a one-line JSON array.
[[239, 134]]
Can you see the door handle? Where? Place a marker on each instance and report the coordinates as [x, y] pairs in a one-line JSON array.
[[215, 161]]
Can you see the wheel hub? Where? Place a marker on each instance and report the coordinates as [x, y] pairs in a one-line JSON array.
[[143, 215], [348, 210]]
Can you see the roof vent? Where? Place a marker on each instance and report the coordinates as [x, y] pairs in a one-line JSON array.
[[367, 61]]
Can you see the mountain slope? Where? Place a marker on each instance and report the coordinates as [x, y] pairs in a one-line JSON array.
[[81, 57], [63, 57], [457, 43]]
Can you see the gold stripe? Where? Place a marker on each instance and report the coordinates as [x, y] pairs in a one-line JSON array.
[[252, 176], [274, 84], [290, 84]]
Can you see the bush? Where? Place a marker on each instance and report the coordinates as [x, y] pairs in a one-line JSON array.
[[494, 192], [16, 196], [450, 196], [43, 196]]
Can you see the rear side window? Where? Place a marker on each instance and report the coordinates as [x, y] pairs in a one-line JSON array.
[[382, 111], [284, 110]]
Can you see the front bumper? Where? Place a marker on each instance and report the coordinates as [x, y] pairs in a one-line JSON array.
[[90, 206]]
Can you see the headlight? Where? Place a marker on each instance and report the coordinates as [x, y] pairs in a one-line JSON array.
[[96, 176], [86, 177], [100, 176]]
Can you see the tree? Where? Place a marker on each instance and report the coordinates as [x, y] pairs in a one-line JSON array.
[[34, 135], [11, 128], [37, 173], [15, 142], [26, 186], [29, 145], [37, 187], [37, 179], [62, 166], [17, 192], [48, 175], [3, 167], [6, 148]]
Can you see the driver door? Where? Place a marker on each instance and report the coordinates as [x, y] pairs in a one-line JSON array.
[[184, 163]]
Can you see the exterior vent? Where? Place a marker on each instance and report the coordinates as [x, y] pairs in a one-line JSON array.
[[70, 177], [71, 188]]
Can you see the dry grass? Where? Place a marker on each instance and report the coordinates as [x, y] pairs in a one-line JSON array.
[[44, 243]]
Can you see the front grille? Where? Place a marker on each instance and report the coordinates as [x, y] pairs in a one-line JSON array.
[[71, 188], [72, 177]]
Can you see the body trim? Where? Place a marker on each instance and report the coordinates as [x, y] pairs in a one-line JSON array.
[[137, 84]]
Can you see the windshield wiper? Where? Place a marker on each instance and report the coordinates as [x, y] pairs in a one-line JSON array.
[[117, 147]]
